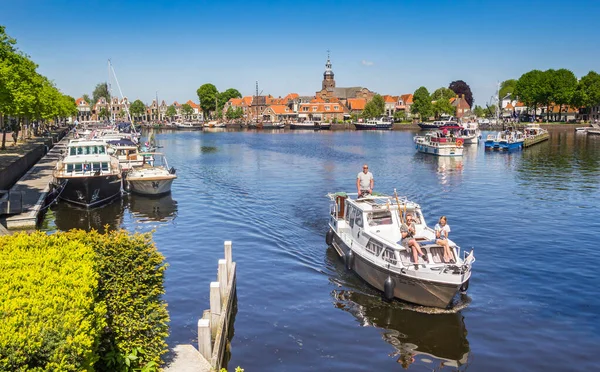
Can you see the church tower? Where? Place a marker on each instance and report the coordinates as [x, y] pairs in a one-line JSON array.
[[328, 82]]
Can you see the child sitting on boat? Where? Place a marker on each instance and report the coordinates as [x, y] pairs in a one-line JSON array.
[[442, 229], [408, 241]]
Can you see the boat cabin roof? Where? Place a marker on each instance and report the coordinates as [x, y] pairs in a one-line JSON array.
[[81, 143], [76, 159]]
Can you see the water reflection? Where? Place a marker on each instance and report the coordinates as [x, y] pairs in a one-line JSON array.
[[67, 216], [434, 340], [445, 167], [148, 209]]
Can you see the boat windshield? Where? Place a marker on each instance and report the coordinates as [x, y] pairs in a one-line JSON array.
[[379, 218]]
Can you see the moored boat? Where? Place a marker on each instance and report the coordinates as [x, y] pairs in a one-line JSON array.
[[505, 140], [437, 124], [437, 143], [306, 125], [374, 124], [154, 177], [88, 176], [366, 234], [535, 134]]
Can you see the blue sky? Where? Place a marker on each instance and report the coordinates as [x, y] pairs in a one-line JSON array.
[[391, 47]]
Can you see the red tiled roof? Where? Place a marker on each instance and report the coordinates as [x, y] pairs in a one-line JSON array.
[[509, 106], [235, 101], [407, 98], [389, 99], [520, 104], [247, 100], [357, 103], [281, 109], [191, 103], [80, 101]]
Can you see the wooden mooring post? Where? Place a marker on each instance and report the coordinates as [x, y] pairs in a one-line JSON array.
[[213, 327], [212, 339]]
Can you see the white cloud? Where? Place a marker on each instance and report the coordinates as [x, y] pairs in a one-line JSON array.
[[367, 63]]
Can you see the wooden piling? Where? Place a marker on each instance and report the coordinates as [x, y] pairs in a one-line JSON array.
[[228, 258], [204, 342], [215, 307], [222, 278]]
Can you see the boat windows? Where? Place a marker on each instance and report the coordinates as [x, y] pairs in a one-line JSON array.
[[351, 218], [80, 151], [101, 150], [73, 151], [69, 168], [78, 167], [105, 166], [389, 256], [379, 218], [374, 247], [359, 219]]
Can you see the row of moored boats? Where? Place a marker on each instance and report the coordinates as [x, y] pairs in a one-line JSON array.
[[447, 137], [100, 165]]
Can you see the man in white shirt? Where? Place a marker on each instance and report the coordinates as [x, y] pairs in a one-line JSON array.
[[364, 182]]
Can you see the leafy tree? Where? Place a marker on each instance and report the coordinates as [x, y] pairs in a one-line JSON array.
[[562, 87], [442, 93], [187, 110], [171, 111], [103, 113], [374, 108], [506, 87], [460, 87], [587, 93], [87, 99], [530, 88], [207, 94], [227, 95], [101, 90], [422, 103], [137, 108], [443, 106], [399, 116], [479, 111]]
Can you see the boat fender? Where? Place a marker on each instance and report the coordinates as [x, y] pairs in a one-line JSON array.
[[464, 286], [388, 288], [349, 259], [329, 237]]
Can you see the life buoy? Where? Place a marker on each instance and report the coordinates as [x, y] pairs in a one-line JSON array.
[[459, 142]]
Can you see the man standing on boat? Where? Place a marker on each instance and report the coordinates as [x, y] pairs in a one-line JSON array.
[[364, 182]]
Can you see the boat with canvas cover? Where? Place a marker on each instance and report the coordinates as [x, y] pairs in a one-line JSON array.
[[365, 233]]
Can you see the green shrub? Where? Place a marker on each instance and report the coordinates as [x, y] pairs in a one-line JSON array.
[[131, 282], [50, 316]]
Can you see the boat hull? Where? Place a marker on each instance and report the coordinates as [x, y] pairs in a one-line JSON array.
[[373, 126], [90, 191], [429, 126], [406, 288], [303, 127], [150, 186], [439, 151]]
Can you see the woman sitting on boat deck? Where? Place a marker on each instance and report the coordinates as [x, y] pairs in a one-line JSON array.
[[408, 241], [441, 233]]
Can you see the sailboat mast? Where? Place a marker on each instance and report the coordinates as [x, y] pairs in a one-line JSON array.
[[111, 69]]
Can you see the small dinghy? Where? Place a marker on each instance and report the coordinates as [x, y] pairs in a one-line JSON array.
[[365, 232], [154, 177]]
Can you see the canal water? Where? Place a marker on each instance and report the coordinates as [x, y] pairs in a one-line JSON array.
[[531, 217]]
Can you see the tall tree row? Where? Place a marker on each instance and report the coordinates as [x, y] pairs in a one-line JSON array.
[[543, 89], [25, 95]]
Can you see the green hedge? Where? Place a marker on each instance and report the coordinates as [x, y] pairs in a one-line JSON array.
[[131, 282], [81, 301], [50, 316]]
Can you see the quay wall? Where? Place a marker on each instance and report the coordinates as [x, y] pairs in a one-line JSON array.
[[35, 151]]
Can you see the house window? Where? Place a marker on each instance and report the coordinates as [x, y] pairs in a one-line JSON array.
[[327, 108], [304, 108], [336, 108], [315, 108]]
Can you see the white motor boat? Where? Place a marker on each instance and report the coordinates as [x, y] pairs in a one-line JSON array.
[[436, 143], [366, 233], [154, 177], [470, 133]]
